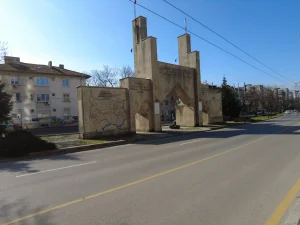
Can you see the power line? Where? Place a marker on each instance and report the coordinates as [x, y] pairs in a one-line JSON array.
[[204, 40], [226, 40]]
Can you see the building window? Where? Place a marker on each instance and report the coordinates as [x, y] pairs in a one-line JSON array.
[[166, 102], [41, 81], [43, 114], [18, 97], [66, 97], [65, 83], [53, 94], [15, 81], [42, 97], [31, 97], [67, 113], [32, 110], [54, 110]]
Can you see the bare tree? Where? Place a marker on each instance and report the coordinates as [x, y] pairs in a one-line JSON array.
[[91, 81], [126, 71], [270, 103], [106, 77], [253, 98], [3, 50]]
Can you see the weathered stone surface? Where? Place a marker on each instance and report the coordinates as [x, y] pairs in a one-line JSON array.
[[141, 104], [103, 111]]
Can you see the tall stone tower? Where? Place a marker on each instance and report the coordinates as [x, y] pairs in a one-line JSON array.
[[184, 78]]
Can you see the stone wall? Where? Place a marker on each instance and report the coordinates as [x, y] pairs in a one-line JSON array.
[[212, 105], [103, 111]]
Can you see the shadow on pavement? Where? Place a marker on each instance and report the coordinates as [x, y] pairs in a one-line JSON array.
[[266, 128], [12, 211], [27, 166]]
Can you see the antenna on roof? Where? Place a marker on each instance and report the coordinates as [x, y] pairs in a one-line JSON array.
[[134, 10]]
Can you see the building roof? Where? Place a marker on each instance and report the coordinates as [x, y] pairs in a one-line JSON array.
[[21, 67]]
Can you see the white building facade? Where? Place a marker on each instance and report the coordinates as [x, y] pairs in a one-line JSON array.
[[42, 95]]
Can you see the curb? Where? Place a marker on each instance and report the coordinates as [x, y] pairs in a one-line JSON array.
[[41, 135], [83, 148], [294, 216]]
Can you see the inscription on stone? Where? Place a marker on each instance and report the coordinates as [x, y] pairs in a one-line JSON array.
[[139, 87], [105, 95], [176, 72]]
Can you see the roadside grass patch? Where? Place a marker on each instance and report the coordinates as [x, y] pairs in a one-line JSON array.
[[69, 140], [262, 118]]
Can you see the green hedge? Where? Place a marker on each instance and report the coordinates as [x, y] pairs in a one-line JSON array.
[[21, 143]]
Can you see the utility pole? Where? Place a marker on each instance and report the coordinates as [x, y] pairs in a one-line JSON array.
[[297, 96], [244, 103], [134, 8]]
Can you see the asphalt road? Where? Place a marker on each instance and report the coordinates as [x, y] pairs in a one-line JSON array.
[[235, 176]]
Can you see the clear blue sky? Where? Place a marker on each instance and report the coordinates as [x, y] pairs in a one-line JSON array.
[[86, 34]]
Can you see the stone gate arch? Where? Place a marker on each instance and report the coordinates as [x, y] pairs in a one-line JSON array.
[[184, 79], [135, 105]]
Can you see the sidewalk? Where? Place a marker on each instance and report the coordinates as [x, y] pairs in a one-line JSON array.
[[294, 216]]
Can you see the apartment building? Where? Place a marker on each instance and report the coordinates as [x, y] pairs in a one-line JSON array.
[[283, 95], [42, 95], [291, 95]]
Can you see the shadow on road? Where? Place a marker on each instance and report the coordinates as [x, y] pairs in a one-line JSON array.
[[266, 128], [12, 211], [26, 166]]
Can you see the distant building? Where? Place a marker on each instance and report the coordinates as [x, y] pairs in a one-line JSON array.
[[255, 101], [284, 93], [297, 94], [42, 95]]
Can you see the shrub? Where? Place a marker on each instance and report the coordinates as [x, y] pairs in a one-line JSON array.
[[21, 143]]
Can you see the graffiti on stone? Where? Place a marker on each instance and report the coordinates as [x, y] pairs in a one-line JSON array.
[[108, 111]]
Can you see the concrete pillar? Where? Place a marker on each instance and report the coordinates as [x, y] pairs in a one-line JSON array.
[[125, 83], [184, 47], [192, 59], [81, 124], [139, 33], [145, 63]]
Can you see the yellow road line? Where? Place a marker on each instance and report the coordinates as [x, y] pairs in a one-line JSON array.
[[284, 205], [135, 182]]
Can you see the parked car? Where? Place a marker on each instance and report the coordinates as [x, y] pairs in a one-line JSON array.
[[261, 112]]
